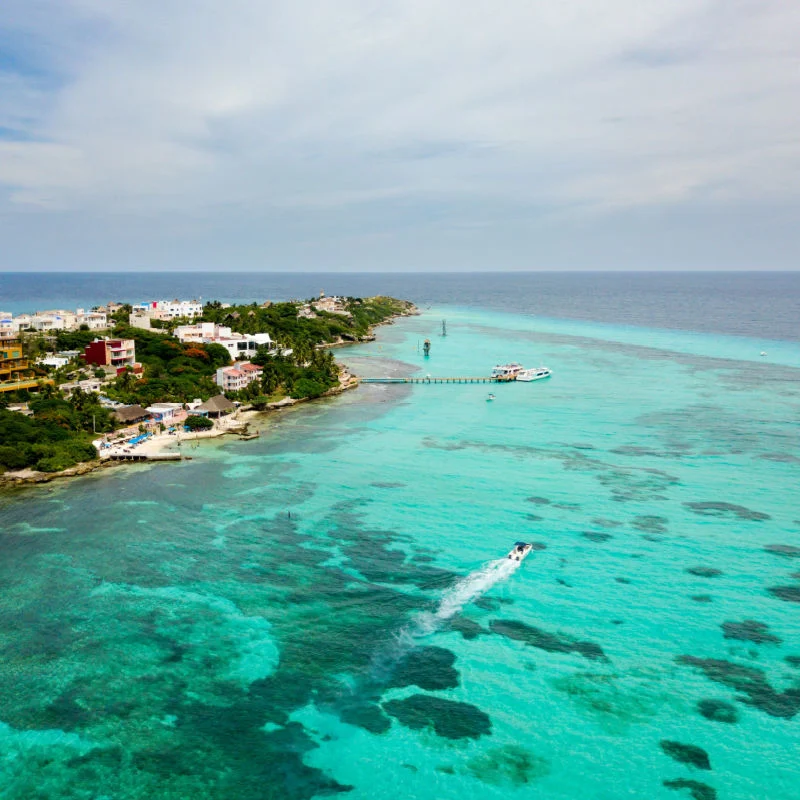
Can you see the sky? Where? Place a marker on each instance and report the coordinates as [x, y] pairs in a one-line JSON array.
[[418, 135]]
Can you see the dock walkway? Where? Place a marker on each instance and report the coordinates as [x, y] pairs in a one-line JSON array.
[[440, 379]]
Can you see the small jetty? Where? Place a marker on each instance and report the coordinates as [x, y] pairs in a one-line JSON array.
[[442, 379], [146, 457]]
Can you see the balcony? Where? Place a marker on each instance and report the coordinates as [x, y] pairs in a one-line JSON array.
[[13, 386]]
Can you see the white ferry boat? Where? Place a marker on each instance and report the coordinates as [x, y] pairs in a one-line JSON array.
[[519, 551], [535, 374], [506, 372]]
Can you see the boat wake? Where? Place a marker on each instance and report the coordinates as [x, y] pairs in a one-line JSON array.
[[465, 591]]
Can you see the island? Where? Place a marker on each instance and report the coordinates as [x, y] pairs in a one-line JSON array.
[[78, 399]]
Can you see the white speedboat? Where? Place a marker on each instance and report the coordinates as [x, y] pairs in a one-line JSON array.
[[506, 372], [535, 374], [519, 551], [490, 398]]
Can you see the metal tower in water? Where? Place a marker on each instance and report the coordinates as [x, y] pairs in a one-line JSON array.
[[444, 327], [426, 347]]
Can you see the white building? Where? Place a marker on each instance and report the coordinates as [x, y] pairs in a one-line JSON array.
[[7, 329], [53, 320], [165, 412], [45, 321], [94, 320], [89, 385], [54, 361], [232, 379], [202, 332], [331, 305], [239, 345], [170, 309]]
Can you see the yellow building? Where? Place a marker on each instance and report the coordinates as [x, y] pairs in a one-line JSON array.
[[14, 371]]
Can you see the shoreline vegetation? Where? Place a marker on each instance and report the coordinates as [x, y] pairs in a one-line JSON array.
[[54, 442]]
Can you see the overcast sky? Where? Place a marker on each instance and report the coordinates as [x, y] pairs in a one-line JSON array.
[[399, 134]]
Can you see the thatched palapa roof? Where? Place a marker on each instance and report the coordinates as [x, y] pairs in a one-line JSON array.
[[216, 405], [131, 413]]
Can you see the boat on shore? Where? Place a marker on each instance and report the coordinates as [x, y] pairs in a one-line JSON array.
[[534, 374], [520, 550]]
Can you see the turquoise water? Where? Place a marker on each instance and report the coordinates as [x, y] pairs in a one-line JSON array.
[[324, 611]]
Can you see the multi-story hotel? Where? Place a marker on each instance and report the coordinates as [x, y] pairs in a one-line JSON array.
[[15, 373]]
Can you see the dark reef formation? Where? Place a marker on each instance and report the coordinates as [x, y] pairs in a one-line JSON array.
[[686, 753], [650, 524], [469, 629], [704, 572], [785, 550], [697, 790], [429, 668], [749, 630], [551, 642], [789, 594], [448, 718], [749, 682], [726, 511], [596, 536], [718, 711]]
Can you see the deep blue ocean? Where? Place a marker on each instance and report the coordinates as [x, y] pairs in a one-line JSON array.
[[754, 304], [328, 610]]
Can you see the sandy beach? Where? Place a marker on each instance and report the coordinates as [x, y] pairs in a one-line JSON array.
[[158, 442]]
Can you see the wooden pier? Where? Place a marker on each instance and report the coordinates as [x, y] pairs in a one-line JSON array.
[[440, 379]]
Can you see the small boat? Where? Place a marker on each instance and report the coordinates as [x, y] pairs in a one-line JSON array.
[[763, 352], [519, 551], [535, 374], [490, 398], [506, 372]]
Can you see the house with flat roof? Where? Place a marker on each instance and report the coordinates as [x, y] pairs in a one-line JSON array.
[[117, 353], [239, 345], [164, 412]]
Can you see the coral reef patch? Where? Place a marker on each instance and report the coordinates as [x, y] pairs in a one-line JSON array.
[[551, 642], [447, 718]]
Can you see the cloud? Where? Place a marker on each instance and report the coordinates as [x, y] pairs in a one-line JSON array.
[[170, 111]]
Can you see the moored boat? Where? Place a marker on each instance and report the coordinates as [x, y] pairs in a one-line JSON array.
[[534, 374], [506, 372]]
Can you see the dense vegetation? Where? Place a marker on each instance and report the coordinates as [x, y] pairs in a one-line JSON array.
[[301, 334], [58, 436], [173, 372]]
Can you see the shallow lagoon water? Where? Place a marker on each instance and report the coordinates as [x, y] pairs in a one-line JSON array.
[[317, 611]]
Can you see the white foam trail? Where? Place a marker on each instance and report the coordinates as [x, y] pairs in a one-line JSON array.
[[461, 594], [474, 585]]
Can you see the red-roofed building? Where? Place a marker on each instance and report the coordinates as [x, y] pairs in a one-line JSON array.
[[232, 379]]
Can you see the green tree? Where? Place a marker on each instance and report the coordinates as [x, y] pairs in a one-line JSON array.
[[195, 422]]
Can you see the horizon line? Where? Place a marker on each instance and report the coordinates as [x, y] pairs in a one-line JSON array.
[[400, 272]]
